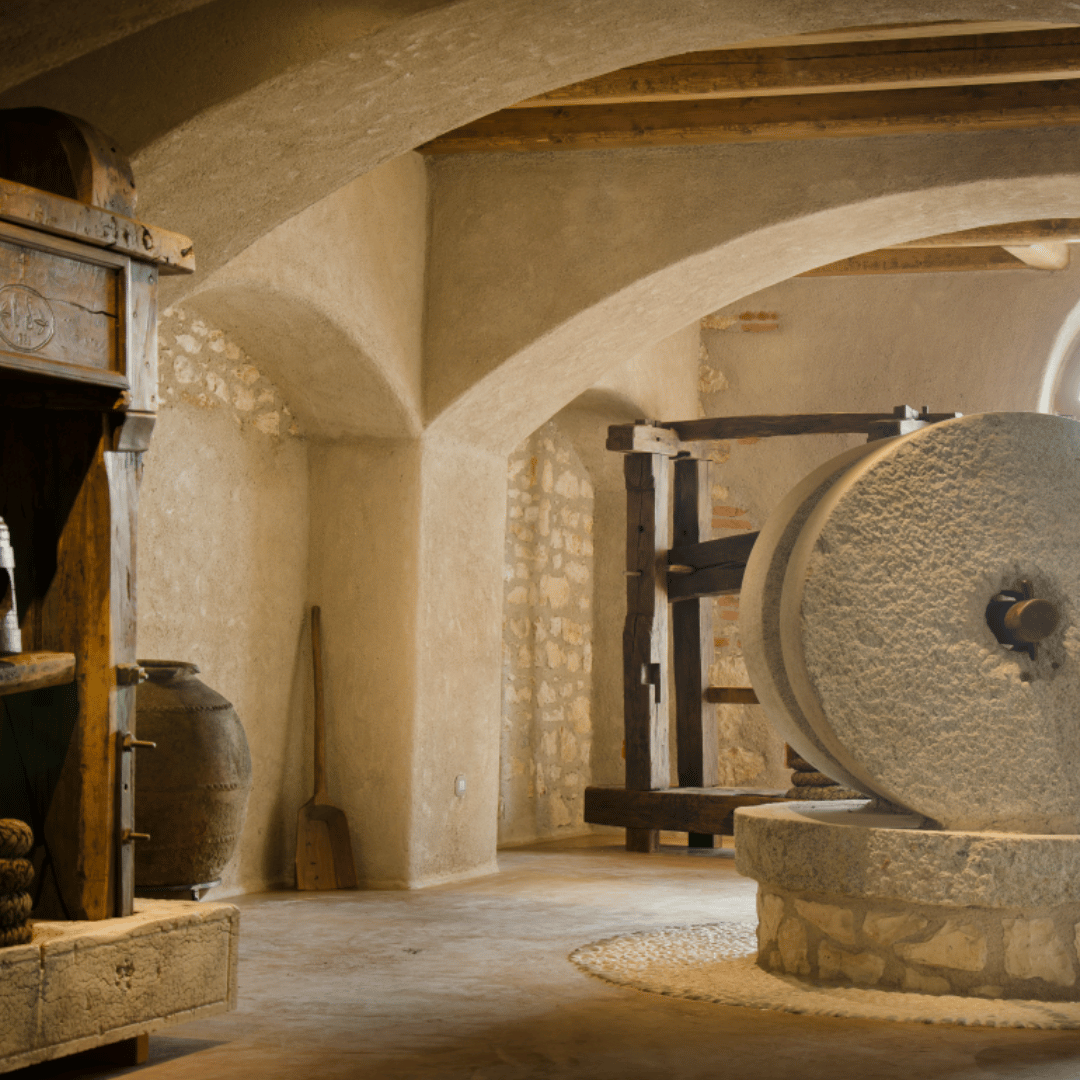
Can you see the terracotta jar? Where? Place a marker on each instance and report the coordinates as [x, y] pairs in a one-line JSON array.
[[191, 792]]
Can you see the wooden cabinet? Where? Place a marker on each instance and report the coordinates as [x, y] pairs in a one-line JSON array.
[[78, 397]]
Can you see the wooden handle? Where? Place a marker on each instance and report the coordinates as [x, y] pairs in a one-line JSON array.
[[320, 716]]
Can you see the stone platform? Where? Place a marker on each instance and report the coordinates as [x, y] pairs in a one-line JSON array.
[[850, 897], [84, 984]]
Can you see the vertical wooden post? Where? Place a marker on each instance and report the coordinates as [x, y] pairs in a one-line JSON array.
[[645, 637], [123, 473], [80, 827], [696, 736]]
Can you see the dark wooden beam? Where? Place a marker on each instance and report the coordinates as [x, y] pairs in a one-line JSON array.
[[769, 119], [696, 736], [1015, 233], [728, 550], [917, 260], [763, 427], [698, 810], [731, 695], [645, 634], [831, 67]]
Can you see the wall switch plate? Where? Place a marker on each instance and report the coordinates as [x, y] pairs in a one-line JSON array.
[[459, 787]]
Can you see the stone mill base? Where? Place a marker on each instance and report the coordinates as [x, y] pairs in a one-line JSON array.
[[852, 897], [79, 985]]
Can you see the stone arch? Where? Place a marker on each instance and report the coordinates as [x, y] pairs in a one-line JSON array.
[[331, 384], [232, 170], [690, 262]]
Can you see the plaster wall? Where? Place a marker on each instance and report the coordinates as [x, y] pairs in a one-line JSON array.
[[607, 256], [365, 501], [223, 566], [966, 342], [332, 300]]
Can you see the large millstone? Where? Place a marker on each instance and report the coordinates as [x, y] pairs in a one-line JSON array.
[[896, 676], [759, 614]]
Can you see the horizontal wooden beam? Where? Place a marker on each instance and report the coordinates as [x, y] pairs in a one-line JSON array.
[[710, 581], [731, 695], [728, 550], [76, 220], [769, 119], [700, 810], [822, 68], [1016, 233], [642, 438], [921, 261], [763, 427], [35, 670]]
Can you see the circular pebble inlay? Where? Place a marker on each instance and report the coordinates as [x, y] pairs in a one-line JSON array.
[[716, 963]]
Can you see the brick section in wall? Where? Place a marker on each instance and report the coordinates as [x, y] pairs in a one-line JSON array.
[[547, 640], [750, 752]]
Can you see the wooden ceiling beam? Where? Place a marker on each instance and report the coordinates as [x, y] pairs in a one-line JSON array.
[[832, 67], [921, 261], [769, 119], [1014, 233], [896, 31]]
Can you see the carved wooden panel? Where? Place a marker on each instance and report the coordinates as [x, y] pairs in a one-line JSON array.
[[62, 308]]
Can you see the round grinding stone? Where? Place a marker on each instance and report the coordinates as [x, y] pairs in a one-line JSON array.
[[884, 633], [759, 614]]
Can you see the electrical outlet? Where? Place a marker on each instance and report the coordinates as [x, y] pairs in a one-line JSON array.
[[459, 787]]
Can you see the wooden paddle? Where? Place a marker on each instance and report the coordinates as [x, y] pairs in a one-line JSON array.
[[324, 856]]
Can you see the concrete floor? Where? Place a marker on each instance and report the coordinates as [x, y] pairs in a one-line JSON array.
[[472, 980]]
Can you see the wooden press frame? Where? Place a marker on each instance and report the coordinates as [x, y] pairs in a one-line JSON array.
[[671, 575]]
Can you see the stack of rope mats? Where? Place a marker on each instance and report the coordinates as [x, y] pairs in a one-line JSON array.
[[16, 874], [811, 784]]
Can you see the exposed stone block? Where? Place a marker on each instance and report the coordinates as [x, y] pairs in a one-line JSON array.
[[770, 912], [956, 945], [835, 921], [886, 929], [1034, 950], [85, 984], [791, 940]]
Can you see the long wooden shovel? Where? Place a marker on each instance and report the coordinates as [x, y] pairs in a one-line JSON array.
[[324, 857]]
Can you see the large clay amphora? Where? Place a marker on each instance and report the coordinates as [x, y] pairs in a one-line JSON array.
[[191, 792]]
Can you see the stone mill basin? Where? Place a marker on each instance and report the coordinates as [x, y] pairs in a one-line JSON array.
[[854, 897]]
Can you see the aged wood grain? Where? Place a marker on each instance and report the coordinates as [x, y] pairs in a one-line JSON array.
[[141, 365], [58, 308], [731, 695], [173, 253], [122, 471], [769, 426], [856, 114], [645, 635], [1060, 230], [824, 68], [75, 616], [696, 739], [919, 260], [34, 670], [724, 551], [711, 581], [642, 439], [698, 810]]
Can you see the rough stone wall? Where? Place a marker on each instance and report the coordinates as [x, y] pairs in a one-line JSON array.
[[223, 566], [547, 640]]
